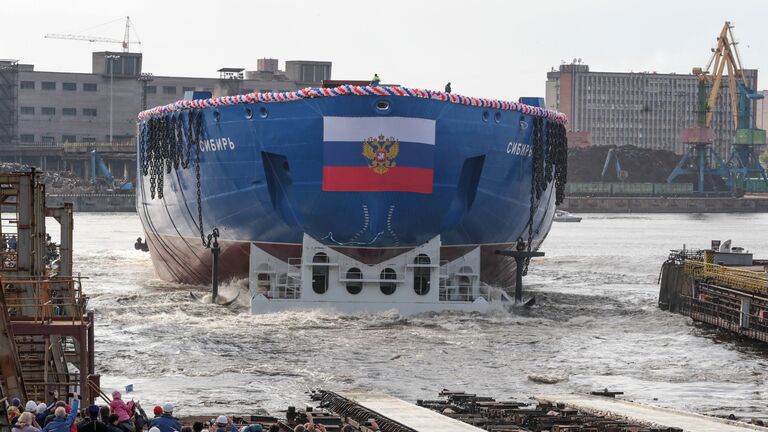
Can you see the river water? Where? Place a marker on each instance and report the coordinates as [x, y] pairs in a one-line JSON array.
[[595, 325]]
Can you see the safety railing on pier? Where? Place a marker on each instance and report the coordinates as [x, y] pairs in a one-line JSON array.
[[43, 300], [729, 277]]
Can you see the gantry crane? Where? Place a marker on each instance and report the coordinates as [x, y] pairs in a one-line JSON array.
[[701, 159], [126, 42]]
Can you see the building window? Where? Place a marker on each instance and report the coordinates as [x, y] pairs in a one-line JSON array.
[[69, 111], [421, 274], [169, 90], [69, 86], [27, 85], [89, 87], [186, 89], [68, 138], [353, 286], [27, 138], [89, 112], [49, 111], [320, 273], [88, 140], [48, 140], [48, 85], [27, 110], [151, 89], [388, 288]]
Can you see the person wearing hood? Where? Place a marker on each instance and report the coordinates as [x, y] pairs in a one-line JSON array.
[[26, 423], [31, 407], [166, 422], [92, 423], [61, 421], [41, 412], [124, 411]]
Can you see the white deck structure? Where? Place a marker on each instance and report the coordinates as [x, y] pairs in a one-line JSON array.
[[407, 414], [642, 413], [413, 282]]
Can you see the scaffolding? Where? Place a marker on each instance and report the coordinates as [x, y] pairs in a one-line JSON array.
[[46, 322], [9, 100]]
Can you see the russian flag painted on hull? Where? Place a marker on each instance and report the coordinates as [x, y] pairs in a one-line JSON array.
[[378, 154]]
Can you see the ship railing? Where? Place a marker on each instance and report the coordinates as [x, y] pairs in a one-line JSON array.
[[729, 277], [443, 271], [287, 288], [44, 300], [455, 293], [294, 266]]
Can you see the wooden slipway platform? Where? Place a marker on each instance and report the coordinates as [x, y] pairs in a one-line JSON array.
[[638, 412], [407, 414]]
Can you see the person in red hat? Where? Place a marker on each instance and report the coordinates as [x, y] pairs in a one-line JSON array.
[[158, 410]]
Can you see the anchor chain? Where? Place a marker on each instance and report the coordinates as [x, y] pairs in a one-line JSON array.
[[549, 158], [165, 145]]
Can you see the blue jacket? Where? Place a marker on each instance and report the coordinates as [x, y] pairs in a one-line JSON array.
[[59, 424], [166, 423], [233, 428]]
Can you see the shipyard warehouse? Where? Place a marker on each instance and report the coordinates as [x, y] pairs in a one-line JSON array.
[[355, 243]]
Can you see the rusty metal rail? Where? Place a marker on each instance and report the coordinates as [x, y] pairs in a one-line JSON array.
[[508, 416], [356, 413]]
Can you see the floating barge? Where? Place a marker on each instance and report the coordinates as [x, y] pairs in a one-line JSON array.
[[722, 286]]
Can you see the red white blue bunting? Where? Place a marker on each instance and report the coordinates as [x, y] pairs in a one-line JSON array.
[[352, 90]]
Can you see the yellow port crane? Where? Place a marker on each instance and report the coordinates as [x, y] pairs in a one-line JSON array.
[[701, 161], [725, 54], [126, 42]]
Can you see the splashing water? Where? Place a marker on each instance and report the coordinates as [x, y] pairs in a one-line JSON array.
[[595, 325]]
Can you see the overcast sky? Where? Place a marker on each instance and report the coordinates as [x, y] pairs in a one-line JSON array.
[[500, 49]]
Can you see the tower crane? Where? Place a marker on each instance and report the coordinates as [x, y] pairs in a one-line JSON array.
[[701, 159], [126, 42]]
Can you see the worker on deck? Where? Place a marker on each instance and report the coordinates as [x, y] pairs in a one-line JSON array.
[[375, 81], [448, 87]]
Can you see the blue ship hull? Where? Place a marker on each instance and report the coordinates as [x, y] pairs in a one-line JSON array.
[[261, 170]]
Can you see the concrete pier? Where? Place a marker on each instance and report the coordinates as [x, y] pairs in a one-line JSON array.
[[750, 204]]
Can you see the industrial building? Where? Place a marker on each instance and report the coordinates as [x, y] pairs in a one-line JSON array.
[[49, 107], [644, 109]]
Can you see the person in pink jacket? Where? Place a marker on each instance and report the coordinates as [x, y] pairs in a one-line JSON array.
[[123, 411]]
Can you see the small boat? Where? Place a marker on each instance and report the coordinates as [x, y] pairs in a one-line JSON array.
[[564, 216]]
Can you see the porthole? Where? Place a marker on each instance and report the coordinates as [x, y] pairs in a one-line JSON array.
[[216, 115], [486, 116], [388, 288], [263, 113], [497, 117], [248, 113], [354, 287], [382, 105]]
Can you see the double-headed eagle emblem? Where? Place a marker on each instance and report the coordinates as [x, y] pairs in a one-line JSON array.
[[381, 152]]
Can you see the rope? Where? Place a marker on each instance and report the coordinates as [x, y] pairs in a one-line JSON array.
[[351, 90]]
